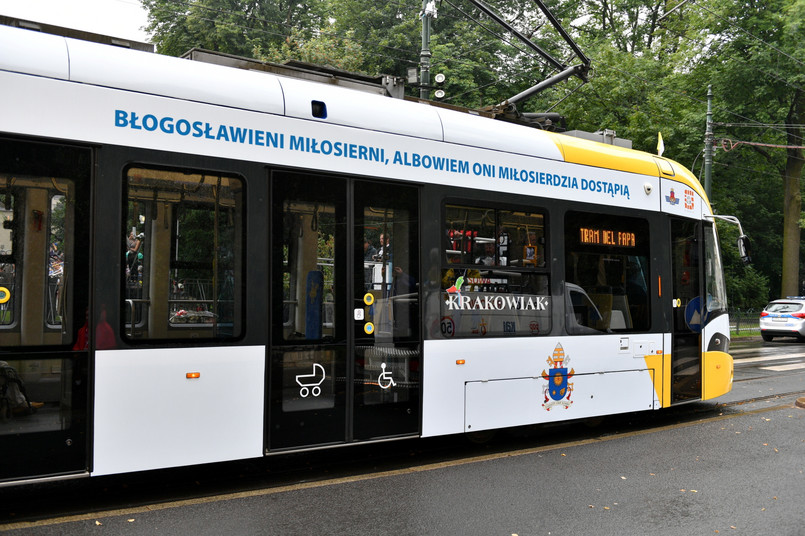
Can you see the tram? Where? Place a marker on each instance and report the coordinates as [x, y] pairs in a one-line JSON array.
[[201, 264]]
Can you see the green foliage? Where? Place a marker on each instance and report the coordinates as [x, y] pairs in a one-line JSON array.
[[746, 286], [345, 54], [231, 26]]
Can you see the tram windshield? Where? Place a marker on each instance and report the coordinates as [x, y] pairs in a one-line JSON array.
[[714, 274]]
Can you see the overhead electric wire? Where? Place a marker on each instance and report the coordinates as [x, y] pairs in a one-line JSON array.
[[500, 37], [407, 53]]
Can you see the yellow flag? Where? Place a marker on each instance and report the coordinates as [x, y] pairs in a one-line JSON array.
[[660, 144]]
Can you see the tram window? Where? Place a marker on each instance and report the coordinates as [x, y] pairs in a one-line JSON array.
[[714, 279], [312, 230], [55, 260], [493, 237], [606, 273], [54, 221], [36, 242], [8, 266], [182, 248], [494, 277]]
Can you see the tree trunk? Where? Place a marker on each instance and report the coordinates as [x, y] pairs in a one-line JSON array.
[[792, 202]]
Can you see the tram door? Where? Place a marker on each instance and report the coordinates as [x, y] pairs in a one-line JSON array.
[[44, 267], [686, 356], [345, 329]]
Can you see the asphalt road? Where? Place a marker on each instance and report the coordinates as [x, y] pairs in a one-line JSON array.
[[735, 465]]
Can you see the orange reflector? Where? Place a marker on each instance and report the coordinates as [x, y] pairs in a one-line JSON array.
[[191, 375], [659, 286], [460, 361]]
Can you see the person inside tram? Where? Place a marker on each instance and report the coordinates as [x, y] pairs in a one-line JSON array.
[[13, 398], [488, 256], [403, 285], [104, 334], [134, 256], [384, 251], [369, 251]]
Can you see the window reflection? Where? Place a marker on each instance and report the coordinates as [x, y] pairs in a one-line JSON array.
[[182, 254], [606, 273], [494, 278]]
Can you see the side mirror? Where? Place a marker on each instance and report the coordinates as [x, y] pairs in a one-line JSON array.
[[745, 249]]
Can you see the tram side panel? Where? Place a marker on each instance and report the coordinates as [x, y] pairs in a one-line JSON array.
[[171, 407], [182, 379], [576, 344], [503, 383]]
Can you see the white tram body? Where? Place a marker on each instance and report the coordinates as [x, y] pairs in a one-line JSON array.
[[147, 410]]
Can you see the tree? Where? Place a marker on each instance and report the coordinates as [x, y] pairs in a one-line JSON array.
[[322, 49], [765, 65], [230, 26]]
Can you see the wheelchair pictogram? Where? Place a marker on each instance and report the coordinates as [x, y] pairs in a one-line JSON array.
[[385, 376], [308, 382]]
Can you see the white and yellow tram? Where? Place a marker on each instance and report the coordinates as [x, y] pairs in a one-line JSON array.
[[201, 264]]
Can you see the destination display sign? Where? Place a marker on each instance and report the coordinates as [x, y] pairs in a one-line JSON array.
[[598, 236]]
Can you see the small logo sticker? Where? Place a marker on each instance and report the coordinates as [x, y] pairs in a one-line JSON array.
[[559, 389], [672, 199], [456, 289], [689, 200]]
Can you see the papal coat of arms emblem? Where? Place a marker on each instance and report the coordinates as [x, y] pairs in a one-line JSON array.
[[558, 390]]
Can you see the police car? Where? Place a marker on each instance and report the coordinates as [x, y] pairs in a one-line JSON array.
[[784, 318]]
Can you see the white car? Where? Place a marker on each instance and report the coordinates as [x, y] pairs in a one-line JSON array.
[[784, 318]]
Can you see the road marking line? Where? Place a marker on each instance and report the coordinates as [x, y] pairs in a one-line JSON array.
[[782, 368], [769, 358]]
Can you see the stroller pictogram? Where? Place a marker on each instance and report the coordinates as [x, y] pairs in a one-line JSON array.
[[308, 382], [385, 375]]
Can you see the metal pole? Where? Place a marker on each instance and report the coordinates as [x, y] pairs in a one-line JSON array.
[[708, 143], [424, 57]]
